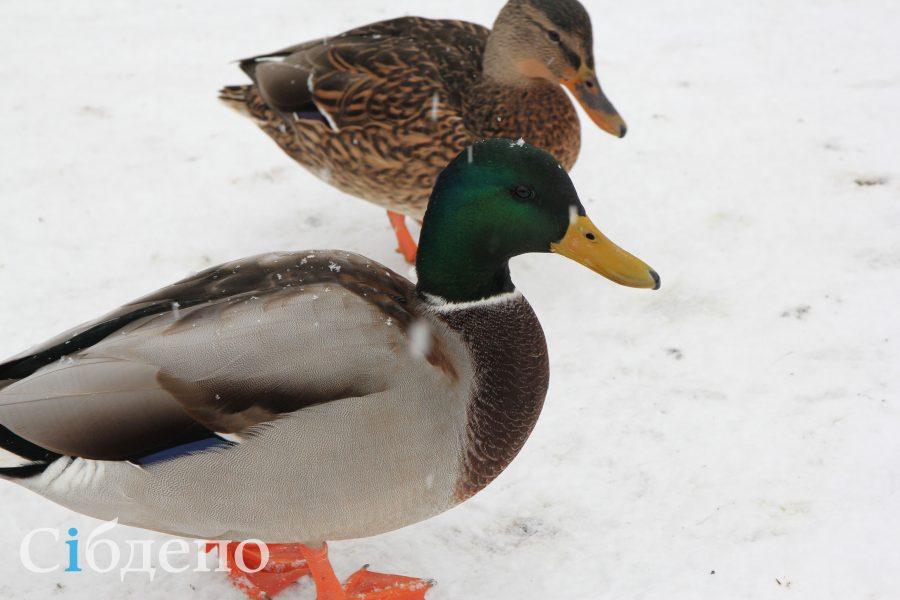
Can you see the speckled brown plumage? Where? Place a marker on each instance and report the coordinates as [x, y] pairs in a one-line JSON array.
[[507, 345], [405, 96]]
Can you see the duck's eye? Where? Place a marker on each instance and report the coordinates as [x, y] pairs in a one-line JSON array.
[[523, 193], [554, 37]]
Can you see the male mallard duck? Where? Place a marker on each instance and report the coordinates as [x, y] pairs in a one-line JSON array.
[[300, 397], [379, 110]]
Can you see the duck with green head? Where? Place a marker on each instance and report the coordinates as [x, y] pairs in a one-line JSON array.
[[300, 397], [379, 110]]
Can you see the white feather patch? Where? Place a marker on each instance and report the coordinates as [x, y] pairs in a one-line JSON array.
[[75, 474], [441, 305]]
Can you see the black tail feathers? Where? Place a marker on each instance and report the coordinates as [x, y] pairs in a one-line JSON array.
[[40, 457]]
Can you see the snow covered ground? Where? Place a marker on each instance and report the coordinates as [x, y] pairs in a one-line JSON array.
[[734, 435]]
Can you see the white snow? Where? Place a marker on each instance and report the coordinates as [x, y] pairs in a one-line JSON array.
[[744, 420]]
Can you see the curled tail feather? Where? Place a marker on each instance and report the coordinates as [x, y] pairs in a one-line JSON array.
[[21, 458]]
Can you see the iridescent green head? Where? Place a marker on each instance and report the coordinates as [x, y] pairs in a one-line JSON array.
[[498, 199]]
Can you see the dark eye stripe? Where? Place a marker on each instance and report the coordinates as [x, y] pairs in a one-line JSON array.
[[571, 56]]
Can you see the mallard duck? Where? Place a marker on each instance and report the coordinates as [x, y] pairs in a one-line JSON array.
[[379, 110], [299, 397]]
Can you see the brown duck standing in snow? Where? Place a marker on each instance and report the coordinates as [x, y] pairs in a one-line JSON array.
[[379, 110]]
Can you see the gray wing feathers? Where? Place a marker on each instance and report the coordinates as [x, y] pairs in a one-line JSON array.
[[229, 348], [104, 407]]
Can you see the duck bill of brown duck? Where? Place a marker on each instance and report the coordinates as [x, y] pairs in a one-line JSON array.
[[585, 86]]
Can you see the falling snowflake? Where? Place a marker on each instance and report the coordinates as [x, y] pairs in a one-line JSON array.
[[420, 339], [435, 104]]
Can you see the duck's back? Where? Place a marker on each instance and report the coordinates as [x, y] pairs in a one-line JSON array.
[[377, 72]]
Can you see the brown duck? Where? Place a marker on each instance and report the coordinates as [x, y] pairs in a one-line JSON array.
[[379, 110]]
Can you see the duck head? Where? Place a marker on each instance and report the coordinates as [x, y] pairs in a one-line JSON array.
[[552, 40], [501, 198]]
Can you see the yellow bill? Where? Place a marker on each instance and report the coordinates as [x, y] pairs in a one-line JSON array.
[[586, 88], [584, 244]]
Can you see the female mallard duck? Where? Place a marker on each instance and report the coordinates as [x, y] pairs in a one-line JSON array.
[[379, 110], [309, 396]]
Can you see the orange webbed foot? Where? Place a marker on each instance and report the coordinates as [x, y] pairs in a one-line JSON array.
[[285, 566], [407, 247], [368, 585], [362, 585], [289, 562]]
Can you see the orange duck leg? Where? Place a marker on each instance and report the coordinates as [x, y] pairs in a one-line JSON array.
[[289, 562], [407, 247]]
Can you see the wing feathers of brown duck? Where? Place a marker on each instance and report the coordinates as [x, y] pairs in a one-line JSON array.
[[402, 70]]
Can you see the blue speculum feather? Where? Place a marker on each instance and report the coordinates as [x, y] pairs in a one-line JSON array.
[[182, 450], [311, 115]]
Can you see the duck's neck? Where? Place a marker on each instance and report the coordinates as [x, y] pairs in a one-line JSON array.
[[459, 277], [450, 266], [517, 98]]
